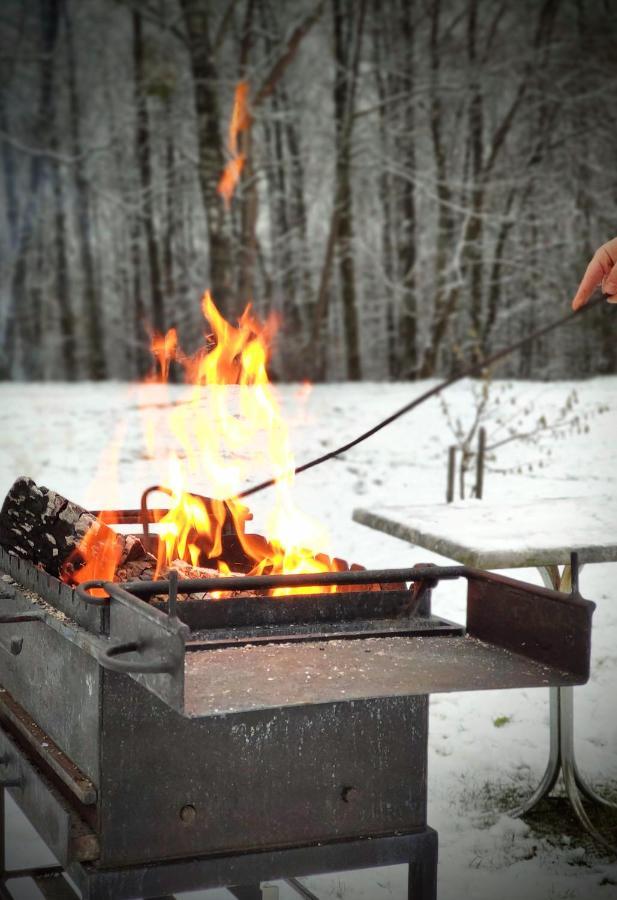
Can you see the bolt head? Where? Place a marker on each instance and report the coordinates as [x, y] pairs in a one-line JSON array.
[[188, 814], [349, 794]]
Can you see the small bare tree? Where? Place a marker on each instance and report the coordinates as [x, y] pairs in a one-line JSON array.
[[506, 418]]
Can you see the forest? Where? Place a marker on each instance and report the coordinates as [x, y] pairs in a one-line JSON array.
[[420, 181]]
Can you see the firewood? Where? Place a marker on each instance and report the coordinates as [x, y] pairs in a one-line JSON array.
[[145, 570], [46, 528]]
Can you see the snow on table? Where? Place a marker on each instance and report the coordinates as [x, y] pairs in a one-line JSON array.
[[505, 535]]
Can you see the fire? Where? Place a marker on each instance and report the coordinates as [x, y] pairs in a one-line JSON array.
[[229, 425], [99, 552], [222, 444], [240, 121], [164, 349]]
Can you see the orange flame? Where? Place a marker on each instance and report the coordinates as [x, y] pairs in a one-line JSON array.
[[164, 348], [100, 552], [223, 442], [240, 121]]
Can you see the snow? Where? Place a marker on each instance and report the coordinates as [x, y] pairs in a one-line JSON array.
[[543, 531], [86, 440]]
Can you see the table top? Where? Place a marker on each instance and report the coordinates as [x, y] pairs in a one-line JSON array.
[[505, 535]]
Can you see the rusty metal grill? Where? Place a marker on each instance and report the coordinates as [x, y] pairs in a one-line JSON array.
[[182, 735]]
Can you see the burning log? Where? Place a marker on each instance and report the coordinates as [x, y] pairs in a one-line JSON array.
[[41, 525], [145, 570], [69, 542]]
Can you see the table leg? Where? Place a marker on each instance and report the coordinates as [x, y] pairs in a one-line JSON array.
[[569, 769], [551, 773], [562, 755]]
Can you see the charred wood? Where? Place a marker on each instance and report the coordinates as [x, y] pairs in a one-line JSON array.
[[41, 525]]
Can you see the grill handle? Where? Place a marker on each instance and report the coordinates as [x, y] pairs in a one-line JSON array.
[[16, 643], [111, 658]]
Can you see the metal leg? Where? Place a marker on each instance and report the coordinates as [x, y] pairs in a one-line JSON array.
[[562, 755], [569, 766], [551, 773], [422, 878], [246, 891], [300, 889], [55, 887]]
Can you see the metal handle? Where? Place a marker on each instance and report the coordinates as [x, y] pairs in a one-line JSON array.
[[159, 665], [16, 643]]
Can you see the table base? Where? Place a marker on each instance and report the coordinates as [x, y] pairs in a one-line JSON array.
[[562, 757]]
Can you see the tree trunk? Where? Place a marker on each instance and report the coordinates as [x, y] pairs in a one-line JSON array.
[[473, 247], [347, 45], [211, 155], [144, 165], [407, 228], [96, 360]]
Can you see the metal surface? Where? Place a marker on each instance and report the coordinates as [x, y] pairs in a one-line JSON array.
[[18, 722], [418, 850], [53, 886], [59, 595], [158, 881], [291, 764], [64, 833], [153, 646], [281, 675], [545, 625], [59, 659]]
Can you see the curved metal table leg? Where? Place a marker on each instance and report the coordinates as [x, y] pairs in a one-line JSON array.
[[551, 773], [562, 756], [552, 579], [568, 765]]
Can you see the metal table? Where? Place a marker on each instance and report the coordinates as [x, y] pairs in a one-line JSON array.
[[541, 534]]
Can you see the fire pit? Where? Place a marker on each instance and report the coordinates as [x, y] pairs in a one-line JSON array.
[[138, 736]]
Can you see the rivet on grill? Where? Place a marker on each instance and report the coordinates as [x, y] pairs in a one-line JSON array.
[[187, 814], [349, 794]]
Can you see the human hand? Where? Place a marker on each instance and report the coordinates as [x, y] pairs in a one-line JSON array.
[[601, 270]]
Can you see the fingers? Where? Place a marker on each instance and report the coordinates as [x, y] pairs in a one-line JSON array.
[[609, 285], [601, 270], [591, 279]]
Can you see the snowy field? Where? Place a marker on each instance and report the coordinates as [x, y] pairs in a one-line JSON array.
[[57, 434]]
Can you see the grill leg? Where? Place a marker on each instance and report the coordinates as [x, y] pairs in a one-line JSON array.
[[422, 878], [54, 887], [253, 892]]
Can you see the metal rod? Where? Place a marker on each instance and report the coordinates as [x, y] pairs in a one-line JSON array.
[[451, 471], [299, 888], [256, 582], [172, 609], [132, 516], [480, 463], [574, 570], [472, 369], [568, 766], [551, 773]]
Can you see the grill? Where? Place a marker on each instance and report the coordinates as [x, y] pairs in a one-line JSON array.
[[159, 742]]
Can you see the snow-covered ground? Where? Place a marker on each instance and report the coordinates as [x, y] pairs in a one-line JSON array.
[[57, 433]]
